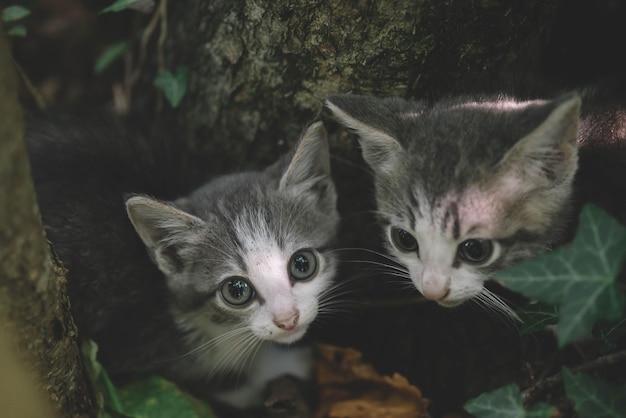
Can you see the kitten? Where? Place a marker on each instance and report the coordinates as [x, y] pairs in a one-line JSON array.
[[191, 288], [467, 187]]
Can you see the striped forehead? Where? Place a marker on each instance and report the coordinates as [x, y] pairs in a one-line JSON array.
[[472, 212], [254, 231]]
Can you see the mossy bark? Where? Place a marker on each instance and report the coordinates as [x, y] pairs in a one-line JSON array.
[[34, 309]]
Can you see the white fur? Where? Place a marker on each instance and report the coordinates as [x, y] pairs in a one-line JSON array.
[[278, 297], [432, 271], [271, 362], [501, 104]]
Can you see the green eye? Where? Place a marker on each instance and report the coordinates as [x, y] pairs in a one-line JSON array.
[[403, 240], [302, 265], [236, 291], [475, 251]]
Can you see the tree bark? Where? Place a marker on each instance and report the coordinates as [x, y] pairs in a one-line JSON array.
[[34, 309]]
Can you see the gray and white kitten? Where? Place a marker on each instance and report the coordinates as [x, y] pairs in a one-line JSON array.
[[465, 188], [231, 268]]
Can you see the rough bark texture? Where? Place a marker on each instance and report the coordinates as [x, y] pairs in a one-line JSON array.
[[33, 305]]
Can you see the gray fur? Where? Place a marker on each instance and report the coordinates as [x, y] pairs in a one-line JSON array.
[[148, 290], [464, 169]]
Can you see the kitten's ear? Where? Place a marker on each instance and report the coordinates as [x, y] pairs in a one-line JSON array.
[[308, 172], [548, 155], [165, 230], [366, 116]]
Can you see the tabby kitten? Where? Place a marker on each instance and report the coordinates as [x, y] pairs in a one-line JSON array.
[[191, 288], [467, 187]]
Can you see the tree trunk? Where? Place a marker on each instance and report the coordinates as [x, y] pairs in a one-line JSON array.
[[34, 309]]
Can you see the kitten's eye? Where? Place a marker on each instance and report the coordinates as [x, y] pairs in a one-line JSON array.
[[403, 240], [303, 265], [236, 291], [475, 251]]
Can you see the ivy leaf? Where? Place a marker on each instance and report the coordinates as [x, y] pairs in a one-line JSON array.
[[17, 30], [580, 279], [118, 6], [155, 397], [107, 394], [173, 86], [109, 55], [13, 13], [152, 397], [593, 397], [505, 402], [537, 316]]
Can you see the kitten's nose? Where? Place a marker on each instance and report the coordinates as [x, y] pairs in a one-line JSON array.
[[435, 287], [288, 322]]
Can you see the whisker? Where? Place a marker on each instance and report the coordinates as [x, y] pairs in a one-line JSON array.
[[366, 250], [493, 303], [379, 264], [209, 344], [238, 355]]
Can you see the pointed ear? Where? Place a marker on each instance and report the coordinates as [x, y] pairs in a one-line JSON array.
[[365, 116], [165, 230], [547, 156], [308, 172]]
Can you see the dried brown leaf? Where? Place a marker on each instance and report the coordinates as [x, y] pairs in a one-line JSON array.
[[352, 388]]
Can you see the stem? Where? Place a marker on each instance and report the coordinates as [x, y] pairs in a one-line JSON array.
[[535, 392]]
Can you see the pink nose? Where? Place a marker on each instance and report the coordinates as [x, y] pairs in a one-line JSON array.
[[288, 322], [435, 287]]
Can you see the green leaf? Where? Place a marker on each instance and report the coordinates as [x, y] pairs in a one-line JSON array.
[[537, 316], [580, 279], [152, 397], [505, 402], [173, 86], [109, 55], [17, 30], [155, 397], [100, 378], [593, 397], [13, 13], [118, 6], [540, 410]]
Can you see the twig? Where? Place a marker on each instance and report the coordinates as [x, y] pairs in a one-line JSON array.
[[143, 45], [39, 100], [161, 48], [535, 392], [162, 36]]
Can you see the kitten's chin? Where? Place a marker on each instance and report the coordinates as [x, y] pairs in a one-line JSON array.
[[450, 303]]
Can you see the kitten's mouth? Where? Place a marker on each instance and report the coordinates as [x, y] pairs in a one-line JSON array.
[[290, 336]]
